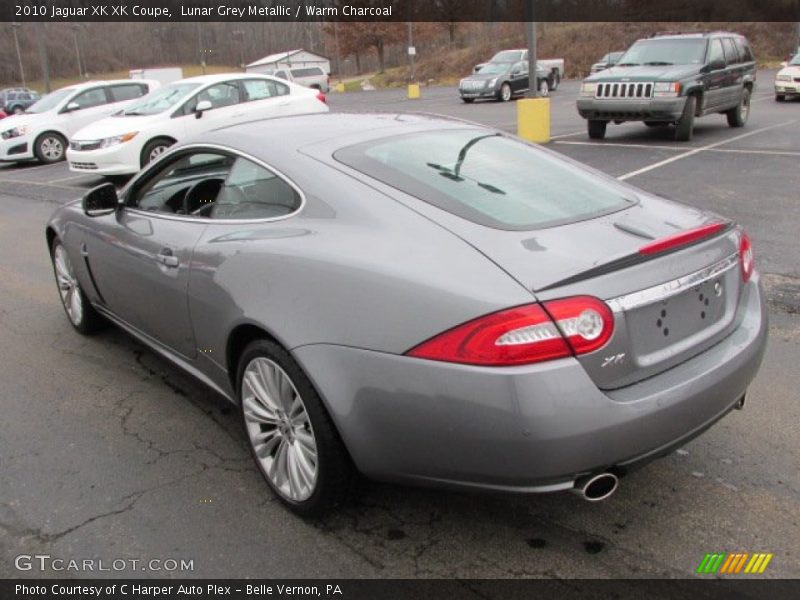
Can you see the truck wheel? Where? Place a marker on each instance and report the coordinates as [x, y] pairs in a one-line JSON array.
[[554, 80], [597, 129], [544, 88], [18, 110], [505, 93], [685, 125], [737, 117]]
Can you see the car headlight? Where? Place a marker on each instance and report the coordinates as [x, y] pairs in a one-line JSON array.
[[15, 132], [667, 88], [588, 89], [491, 82], [117, 139], [783, 77]]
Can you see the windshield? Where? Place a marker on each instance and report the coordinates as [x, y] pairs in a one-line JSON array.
[[487, 178], [507, 56], [162, 99], [50, 101], [795, 62], [495, 68], [665, 52]]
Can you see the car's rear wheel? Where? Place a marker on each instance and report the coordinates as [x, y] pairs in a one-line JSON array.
[[18, 110], [505, 93], [684, 128], [80, 312], [554, 80], [155, 148], [468, 100], [780, 98], [292, 437], [737, 117], [597, 129], [50, 147]]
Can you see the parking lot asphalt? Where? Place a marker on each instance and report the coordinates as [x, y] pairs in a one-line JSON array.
[[107, 451]]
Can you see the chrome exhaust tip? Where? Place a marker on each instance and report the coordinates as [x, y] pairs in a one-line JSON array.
[[596, 488]]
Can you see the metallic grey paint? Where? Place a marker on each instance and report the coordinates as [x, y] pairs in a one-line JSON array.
[[363, 272]]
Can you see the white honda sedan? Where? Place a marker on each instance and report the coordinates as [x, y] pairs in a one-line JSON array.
[[125, 142], [45, 128]]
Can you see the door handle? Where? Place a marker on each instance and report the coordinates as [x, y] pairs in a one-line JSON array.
[[166, 258]]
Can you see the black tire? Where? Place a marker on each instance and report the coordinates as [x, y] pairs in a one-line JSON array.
[[684, 128], [554, 80], [468, 100], [17, 110], [90, 320], [656, 123], [155, 144], [737, 117], [505, 94], [50, 147], [780, 98], [597, 129], [544, 88], [335, 471]]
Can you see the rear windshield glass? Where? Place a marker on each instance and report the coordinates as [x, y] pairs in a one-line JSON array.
[[665, 52], [487, 178], [307, 72]]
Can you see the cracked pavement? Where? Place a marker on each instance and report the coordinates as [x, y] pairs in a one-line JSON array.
[[107, 451]]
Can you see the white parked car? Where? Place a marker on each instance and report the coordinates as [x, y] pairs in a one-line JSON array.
[[787, 80], [45, 128], [125, 142]]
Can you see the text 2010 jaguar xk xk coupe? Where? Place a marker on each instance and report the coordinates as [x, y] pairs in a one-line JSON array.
[[421, 300]]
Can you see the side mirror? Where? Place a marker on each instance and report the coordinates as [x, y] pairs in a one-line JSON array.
[[201, 107], [100, 200], [72, 106]]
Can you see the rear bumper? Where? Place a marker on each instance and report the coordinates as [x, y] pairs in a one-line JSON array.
[[528, 429], [655, 109]]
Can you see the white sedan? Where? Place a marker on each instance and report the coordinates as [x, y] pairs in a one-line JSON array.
[[787, 80], [45, 128], [125, 142]]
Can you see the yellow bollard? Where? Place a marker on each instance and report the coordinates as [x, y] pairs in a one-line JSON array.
[[533, 119], [339, 87], [413, 91]]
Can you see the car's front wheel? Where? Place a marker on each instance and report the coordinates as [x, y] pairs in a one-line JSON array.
[[50, 147], [544, 88], [18, 110], [780, 98], [684, 128], [597, 129], [505, 93], [292, 437], [155, 148], [737, 117], [467, 100], [80, 312]]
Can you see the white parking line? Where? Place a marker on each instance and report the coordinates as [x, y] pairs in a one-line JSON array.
[[563, 135], [26, 169], [694, 151], [623, 145], [71, 177], [37, 183]]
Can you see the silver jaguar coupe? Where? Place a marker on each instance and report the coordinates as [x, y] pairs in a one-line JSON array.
[[421, 300]]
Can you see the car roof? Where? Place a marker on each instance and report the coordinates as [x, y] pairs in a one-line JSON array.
[[289, 134], [695, 34], [203, 79]]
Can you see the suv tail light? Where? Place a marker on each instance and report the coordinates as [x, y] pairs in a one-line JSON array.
[[746, 259], [525, 334]]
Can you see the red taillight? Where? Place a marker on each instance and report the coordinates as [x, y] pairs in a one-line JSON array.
[[525, 334], [321, 97], [746, 259], [682, 239]]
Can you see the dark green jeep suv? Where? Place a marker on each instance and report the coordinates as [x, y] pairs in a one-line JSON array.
[[673, 78]]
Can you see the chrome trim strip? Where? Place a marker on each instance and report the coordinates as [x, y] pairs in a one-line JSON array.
[[663, 291], [205, 220]]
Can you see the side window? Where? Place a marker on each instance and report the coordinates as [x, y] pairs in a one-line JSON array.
[[259, 89], [254, 192], [307, 72], [281, 74], [128, 91], [90, 98], [731, 53], [220, 95], [744, 50], [519, 68], [715, 53], [187, 185]]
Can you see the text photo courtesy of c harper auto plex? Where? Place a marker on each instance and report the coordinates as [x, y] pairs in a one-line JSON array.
[[358, 299]]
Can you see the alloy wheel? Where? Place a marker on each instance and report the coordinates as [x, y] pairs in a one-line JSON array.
[[68, 286], [156, 152], [52, 148], [279, 429]]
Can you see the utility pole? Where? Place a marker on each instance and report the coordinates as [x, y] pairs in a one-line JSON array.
[[533, 85], [240, 34], [14, 27], [41, 34], [336, 48], [412, 51], [75, 28]]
